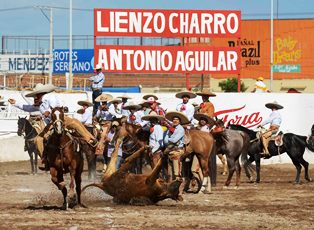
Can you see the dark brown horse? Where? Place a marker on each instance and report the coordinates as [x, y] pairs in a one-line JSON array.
[[231, 143], [24, 126], [64, 156]]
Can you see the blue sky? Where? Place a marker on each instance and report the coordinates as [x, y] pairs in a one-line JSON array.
[[30, 21]]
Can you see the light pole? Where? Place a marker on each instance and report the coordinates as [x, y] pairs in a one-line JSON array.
[[271, 43], [42, 8], [70, 50]]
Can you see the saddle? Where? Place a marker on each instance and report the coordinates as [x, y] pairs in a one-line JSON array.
[[278, 138]]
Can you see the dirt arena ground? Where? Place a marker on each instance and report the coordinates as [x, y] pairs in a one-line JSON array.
[[32, 202]]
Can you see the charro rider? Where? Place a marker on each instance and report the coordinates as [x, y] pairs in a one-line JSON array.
[[86, 114], [45, 100], [175, 140], [185, 107], [206, 107], [156, 136], [274, 120], [97, 84]]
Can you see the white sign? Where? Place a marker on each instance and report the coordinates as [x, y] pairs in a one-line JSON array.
[[17, 63]]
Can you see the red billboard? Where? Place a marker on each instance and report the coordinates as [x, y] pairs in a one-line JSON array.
[[166, 23]]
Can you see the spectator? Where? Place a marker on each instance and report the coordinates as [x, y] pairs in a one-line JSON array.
[[260, 86], [97, 84]]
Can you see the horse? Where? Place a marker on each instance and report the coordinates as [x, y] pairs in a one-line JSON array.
[[126, 187], [292, 144], [24, 126], [231, 143], [201, 144], [64, 156]]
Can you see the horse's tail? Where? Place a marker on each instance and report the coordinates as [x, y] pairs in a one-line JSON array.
[[101, 186]]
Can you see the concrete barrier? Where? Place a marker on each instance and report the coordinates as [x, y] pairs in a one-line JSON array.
[[12, 149]]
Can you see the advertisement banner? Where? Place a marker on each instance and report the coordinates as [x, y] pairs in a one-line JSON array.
[[82, 60], [166, 23], [168, 59], [21, 63]]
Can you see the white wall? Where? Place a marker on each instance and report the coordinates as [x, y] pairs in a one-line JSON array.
[[298, 112]]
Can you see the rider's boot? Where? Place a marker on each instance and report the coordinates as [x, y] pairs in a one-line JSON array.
[[265, 147]]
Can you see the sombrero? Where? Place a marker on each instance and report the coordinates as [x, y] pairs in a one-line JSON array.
[[144, 103], [145, 97], [80, 111], [98, 66], [115, 100], [199, 116], [150, 117], [115, 123], [186, 93], [260, 79], [206, 92], [183, 119], [274, 105], [125, 96], [104, 97], [131, 105], [40, 88], [88, 103], [152, 100]]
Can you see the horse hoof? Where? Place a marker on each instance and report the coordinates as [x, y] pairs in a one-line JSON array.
[[309, 179], [65, 206], [225, 187], [236, 187], [297, 183], [224, 173], [207, 192]]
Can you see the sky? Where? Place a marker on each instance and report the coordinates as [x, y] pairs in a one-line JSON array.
[[28, 20]]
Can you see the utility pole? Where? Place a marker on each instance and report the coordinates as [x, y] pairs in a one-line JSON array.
[[50, 49], [271, 44], [70, 49]]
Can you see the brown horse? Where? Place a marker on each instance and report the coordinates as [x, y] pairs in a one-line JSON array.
[[64, 156], [127, 187], [201, 145]]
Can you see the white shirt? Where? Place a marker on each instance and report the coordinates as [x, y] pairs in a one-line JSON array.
[[273, 119], [187, 109], [87, 116], [111, 146], [260, 87], [115, 112], [104, 115], [156, 138], [138, 118], [204, 128]]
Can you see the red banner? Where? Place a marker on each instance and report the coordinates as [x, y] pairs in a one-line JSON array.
[[168, 59], [166, 23]]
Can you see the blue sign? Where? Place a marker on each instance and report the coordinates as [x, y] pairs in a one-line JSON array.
[[82, 60]]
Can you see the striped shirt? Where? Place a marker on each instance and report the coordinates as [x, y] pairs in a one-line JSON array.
[[98, 80]]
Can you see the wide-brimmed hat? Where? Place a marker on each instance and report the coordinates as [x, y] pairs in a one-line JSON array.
[[152, 100], [98, 66], [153, 116], [125, 96], [199, 116], [186, 93], [116, 100], [145, 97], [80, 111], [144, 103], [260, 79], [273, 105], [115, 123], [206, 92], [104, 97], [183, 119], [87, 103], [40, 88], [131, 105]]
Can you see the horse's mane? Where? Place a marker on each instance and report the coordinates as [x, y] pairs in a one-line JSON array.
[[251, 133]]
